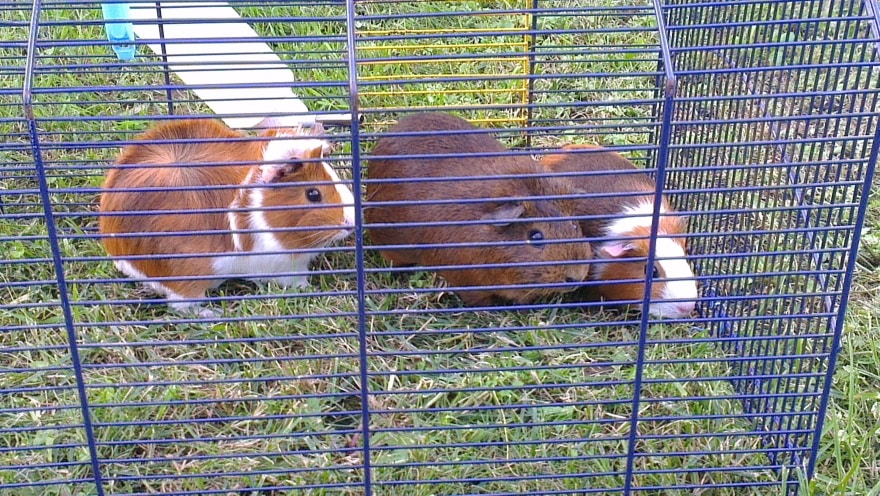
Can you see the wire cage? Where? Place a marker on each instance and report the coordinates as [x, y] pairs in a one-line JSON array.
[[757, 119]]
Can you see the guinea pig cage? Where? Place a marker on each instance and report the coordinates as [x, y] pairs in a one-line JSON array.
[[757, 119]]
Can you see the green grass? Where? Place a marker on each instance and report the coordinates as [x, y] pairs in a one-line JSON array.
[[264, 399]]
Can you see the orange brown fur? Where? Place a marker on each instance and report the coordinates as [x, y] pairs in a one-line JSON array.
[[554, 160], [614, 270], [292, 187], [178, 175], [611, 173], [473, 279], [216, 168]]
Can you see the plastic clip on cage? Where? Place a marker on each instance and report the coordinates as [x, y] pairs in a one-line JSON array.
[[758, 119]]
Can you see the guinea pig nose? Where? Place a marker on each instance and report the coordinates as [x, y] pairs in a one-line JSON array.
[[685, 307]]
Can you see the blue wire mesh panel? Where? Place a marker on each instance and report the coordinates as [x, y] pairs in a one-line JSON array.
[[525, 403], [265, 398], [786, 91], [43, 425], [757, 118], [576, 57], [417, 55]]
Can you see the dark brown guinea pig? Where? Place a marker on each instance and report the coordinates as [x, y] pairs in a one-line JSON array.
[[628, 214], [243, 203], [511, 217]]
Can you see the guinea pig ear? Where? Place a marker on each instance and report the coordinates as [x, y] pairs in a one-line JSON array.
[[614, 249], [315, 152], [271, 173], [505, 213], [317, 129], [328, 147]]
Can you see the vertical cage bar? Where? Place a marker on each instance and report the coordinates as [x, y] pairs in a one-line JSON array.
[[354, 103], [166, 71], [849, 271], [533, 36], [662, 156], [52, 235], [772, 349]]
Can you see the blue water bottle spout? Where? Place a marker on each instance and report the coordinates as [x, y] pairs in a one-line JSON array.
[[120, 34]]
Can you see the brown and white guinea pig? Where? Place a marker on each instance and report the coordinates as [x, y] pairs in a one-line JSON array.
[[511, 217], [240, 173], [674, 289]]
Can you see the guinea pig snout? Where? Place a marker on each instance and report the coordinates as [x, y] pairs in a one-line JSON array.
[[685, 307], [672, 309], [348, 213], [348, 222]]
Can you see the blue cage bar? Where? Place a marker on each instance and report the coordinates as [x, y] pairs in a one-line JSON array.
[[757, 118]]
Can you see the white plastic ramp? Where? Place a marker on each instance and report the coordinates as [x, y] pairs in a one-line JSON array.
[[236, 65]]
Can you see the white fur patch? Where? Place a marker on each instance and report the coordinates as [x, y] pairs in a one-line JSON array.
[[283, 149], [597, 271], [128, 269], [231, 216], [177, 302], [241, 264], [679, 284], [267, 255], [233, 227], [345, 195], [636, 216], [261, 262]]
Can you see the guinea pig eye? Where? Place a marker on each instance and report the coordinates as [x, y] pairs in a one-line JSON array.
[[313, 195], [536, 236], [655, 274]]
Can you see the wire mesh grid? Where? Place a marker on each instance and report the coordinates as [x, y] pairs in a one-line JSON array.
[[757, 118]]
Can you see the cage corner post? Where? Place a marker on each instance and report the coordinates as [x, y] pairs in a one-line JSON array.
[[354, 107], [64, 299], [873, 10]]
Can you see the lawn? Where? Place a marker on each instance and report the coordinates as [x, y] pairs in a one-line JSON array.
[[493, 402]]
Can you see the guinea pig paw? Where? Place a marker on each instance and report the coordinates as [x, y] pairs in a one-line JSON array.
[[190, 311], [302, 286], [293, 283], [207, 313], [145, 292]]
